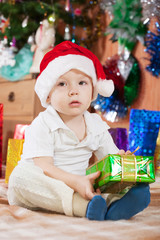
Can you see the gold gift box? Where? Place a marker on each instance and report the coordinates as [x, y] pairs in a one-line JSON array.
[[14, 151], [157, 155]]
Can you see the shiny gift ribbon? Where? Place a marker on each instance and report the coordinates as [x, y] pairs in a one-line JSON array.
[[129, 168]]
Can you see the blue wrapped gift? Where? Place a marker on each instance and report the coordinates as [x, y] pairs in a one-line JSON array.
[[143, 131]]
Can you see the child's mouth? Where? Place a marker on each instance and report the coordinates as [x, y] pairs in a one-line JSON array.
[[75, 104]]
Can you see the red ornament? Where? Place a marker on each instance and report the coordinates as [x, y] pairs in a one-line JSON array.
[[1, 126], [112, 72], [77, 12]]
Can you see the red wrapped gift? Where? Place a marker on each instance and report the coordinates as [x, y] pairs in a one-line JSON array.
[[19, 131], [1, 126]]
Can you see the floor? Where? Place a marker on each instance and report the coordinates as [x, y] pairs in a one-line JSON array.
[[19, 223]]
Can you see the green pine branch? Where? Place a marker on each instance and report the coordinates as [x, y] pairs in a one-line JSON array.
[[36, 11]]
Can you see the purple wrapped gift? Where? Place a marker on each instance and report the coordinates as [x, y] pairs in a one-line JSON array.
[[120, 137]]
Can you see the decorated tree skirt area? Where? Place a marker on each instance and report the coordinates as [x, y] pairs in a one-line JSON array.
[[20, 223]]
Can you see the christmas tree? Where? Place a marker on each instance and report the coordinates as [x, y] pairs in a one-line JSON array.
[[75, 20]]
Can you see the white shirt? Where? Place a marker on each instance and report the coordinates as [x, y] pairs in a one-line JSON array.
[[49, 136]]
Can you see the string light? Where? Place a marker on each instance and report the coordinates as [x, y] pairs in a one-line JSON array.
[[42, 7], [12, 2]]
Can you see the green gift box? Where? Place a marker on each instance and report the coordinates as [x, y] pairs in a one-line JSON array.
[[120, 172]]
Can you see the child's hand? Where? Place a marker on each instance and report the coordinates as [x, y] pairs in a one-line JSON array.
[[85, 185], [122, 152]]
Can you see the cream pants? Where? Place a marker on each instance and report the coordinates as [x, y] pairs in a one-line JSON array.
[[29, 187]]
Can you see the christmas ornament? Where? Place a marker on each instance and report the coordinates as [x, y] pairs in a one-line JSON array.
[[12, 2], [132, 83], [52, 18], [126, 77], [150, 8], [94, 27], [1, 136], [6, 53], [67, 34], [112, 108], [77, 12], [13, 43], [112, 72], [13, 46], [67, 7], [24, 19], [23, 61], [107, 6], [126, 25], [25, 22], [31, 39], [44, 42], [4, 23], [153, 49]]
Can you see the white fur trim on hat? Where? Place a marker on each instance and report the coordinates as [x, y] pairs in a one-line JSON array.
[[105, 87]]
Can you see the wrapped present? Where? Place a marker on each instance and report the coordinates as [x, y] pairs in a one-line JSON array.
[[15, 147], [19, 131], [143, 131], [119, 172], [157, 156], [120, 137], [1, 127]]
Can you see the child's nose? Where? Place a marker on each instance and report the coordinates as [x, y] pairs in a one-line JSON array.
[[73, 91]]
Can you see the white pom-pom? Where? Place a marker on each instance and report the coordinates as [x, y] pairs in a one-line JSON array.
[[105, 87]]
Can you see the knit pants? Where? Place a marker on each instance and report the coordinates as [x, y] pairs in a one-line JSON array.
[[29, 187]]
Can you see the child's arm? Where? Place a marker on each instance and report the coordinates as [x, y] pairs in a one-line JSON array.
[[81, 184]]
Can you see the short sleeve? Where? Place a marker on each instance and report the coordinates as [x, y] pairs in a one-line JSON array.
[[38, 140], [106, 146]]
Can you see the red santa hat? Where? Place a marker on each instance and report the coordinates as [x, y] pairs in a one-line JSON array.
[[64, 57]]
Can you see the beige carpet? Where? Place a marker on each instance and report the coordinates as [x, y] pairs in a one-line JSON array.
[[19, 223]]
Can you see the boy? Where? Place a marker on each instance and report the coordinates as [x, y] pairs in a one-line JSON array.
[[61, 140]]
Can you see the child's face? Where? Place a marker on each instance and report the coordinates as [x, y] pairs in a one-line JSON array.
[[72, 93]]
